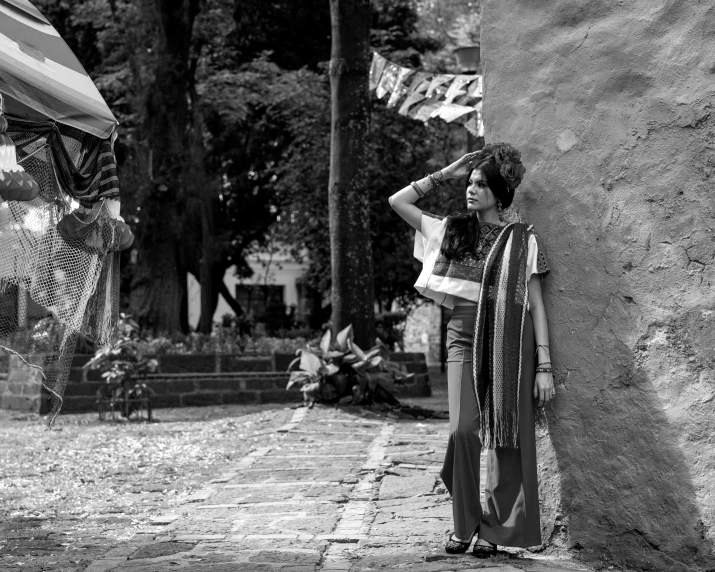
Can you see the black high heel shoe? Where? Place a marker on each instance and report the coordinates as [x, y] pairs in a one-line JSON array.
[[484, 551], [455, 546]]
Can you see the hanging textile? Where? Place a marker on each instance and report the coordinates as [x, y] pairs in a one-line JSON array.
[[59, 267]]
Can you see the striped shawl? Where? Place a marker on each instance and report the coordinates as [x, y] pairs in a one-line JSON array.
[[498, 332]]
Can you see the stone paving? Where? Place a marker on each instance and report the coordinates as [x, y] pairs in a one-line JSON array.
[[330, 491]]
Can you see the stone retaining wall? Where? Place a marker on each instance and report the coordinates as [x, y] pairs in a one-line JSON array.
[[196, 389], [21, 386], [193, 389], [196, 363], [175, 387]]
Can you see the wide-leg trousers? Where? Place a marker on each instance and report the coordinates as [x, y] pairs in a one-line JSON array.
[[510, 516]]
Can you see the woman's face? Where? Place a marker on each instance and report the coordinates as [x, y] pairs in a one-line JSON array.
[[479, 195]]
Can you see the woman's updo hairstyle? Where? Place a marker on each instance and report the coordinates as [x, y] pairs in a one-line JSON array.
[[501, 165]]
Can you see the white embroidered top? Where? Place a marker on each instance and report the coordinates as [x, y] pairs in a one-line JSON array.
[[463, 279]]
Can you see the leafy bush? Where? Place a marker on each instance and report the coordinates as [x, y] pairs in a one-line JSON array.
[[340, 372], [223, 340], [124, 367]]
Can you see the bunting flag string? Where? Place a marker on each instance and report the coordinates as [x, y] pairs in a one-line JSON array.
[[454, 98]]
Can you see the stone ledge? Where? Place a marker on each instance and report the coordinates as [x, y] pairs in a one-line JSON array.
[[23, 390]]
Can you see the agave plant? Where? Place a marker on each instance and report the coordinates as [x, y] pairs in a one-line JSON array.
[[338, 371]]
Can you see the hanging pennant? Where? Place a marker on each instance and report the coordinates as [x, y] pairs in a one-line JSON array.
[[437, 81], [472, 126], [475, 125], [412, 99], [451, 97], [449, 111], [376, 69], [400, 88], [388, 80], [424, 111], [420, 82], [475, 88], [456, 88]]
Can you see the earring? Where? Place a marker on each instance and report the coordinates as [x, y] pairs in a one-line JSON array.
[[499, 207]]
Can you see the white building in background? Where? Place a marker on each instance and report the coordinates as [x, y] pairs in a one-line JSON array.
[[276, 279]]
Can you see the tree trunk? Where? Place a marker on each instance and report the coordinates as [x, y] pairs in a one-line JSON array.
[[158, 287], [208, 304], [203, 195], [230, 299], [351, 252], [160, 283], [217, 286]]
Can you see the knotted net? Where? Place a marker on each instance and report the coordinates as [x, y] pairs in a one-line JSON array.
[[59, 259]]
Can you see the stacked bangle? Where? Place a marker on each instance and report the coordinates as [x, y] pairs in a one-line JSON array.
[[435, 179], [540, 369]]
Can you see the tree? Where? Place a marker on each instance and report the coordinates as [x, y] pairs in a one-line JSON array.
[[158, 295], [172, 135], [348, 202], [450, 24], [252, 163], [398, 149]]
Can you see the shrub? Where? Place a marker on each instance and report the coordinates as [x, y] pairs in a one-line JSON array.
[[338, 371]]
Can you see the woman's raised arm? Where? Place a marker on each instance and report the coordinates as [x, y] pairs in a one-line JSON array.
[[403, 202]]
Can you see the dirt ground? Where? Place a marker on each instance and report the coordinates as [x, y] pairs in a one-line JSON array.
[[88, 484]]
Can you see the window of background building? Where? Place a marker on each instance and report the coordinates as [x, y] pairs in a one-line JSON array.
[[255, 299]]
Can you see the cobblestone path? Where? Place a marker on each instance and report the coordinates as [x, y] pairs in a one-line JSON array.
[[329, 491]]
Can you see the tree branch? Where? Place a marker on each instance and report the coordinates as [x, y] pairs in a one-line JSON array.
[[230, 300]]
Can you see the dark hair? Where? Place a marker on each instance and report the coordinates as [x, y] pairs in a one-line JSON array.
[[461, 236], [496, 183]]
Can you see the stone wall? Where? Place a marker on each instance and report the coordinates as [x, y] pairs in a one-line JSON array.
[[422, 332], [21, 386], [612, 105], [194, 389], [190, 363], [238, 380], [197, 389]]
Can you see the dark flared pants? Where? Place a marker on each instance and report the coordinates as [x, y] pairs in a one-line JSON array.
[[510, 516]]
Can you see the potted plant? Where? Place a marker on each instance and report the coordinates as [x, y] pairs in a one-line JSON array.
[[124, 370], [338, 371]]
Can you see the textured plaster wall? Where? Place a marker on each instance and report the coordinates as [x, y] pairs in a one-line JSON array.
[[612, 105]]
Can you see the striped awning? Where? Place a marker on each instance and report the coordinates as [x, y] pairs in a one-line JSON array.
[[40, 77]]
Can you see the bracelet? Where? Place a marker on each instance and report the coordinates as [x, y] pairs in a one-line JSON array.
[[543, 363], [536, 351], [544, 370], [432, 182], [416, 187], [435, 179]]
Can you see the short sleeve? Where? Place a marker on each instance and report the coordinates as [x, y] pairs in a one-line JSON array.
[[432, 228], [536, 262]]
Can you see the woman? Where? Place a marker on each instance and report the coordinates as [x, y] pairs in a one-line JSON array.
[[498, 348]]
